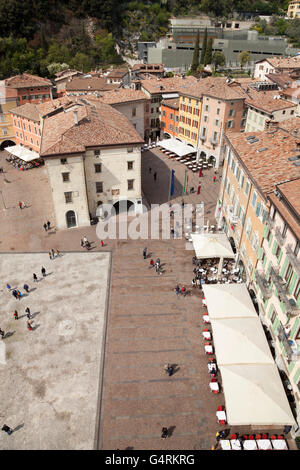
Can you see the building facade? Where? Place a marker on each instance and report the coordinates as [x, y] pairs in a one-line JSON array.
[[170, 117], [30, 88], [8, 101], [294, 9]]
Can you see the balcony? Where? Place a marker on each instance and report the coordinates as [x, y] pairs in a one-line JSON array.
[[279, 237], [269, 221], [293, 258], [213, 140], [263, 284], [282, 290], [292, 353], [233, 219]]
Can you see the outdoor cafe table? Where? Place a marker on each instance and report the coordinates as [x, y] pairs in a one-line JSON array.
[[264, 444], [214, 386], [279, 444], [206, 334], [235, 444], [221, 415], [225, 444], [250, 445]]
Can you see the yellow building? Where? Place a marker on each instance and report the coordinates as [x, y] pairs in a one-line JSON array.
[[189, 118], [294, 9], [8, 101]]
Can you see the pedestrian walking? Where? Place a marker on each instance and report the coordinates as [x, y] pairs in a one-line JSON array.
[[28, 314], [155, 176], [85, 239], [215, 178], [200, 173], [7, 429], [145, 253], [29, 326], [101, 243], [35, 277], [43, 271], [164, 433], [87, 246], [57, 253], [20, 205], [26, 287], [48, 225], [82, 243], [53, 254], [170, 371], [16, 315], [19, 295], [2, 333], [45, 227], [151, 263], [8, 287], [172, 232], [15, 293], [157, 261], [166, 367], [50, 255], [177, 289], [150, 169]]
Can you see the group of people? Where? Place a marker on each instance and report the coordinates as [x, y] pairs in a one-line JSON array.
[[84, 243], [47, 226], [152, 264], [53, 254], [181, 291]]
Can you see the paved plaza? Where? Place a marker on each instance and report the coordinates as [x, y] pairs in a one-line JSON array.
[[62, 387], [49, 377]]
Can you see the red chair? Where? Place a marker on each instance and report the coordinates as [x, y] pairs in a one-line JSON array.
[[222, 422], [258, 436], [251, 437], [233, 436], [213, 380], [273, 437], [220, 408], [280, 437], [245, 437], [265, 436]]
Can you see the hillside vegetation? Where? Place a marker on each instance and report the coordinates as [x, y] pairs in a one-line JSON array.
[[39, 36]]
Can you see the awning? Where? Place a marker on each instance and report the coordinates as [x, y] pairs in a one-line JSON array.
[[23, 153], [166, 96], [228, 301], [254, 395], [177, 147], [240, 341], [212, 245]]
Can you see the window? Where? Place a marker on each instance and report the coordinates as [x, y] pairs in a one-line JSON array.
[[218, 111], [254, 197], [129, 165], [68, 197], [65, 177], [297, 247], [96, 153], [99, 187], [130, 150], [63, 161], [277, 252], [205, 118], [4, 130], [284, 230], [247, 188], [273, 316], [289, 274], [130, 184], [164, 113], [98, 168], [206, 107], [297, 292]]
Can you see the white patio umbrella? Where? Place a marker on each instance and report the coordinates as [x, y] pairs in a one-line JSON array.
[[254, 395], [228, 301]]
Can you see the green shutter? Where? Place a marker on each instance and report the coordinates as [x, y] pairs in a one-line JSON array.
[[275, 245], [266, 231], [270, 241], [295, 327], [280, 256], [296, 376], [283, 269], [292, 283]]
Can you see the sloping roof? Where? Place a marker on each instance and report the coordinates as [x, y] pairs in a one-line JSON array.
[[98, 125], [171, 103], [118, 73], [267, 101], [26, 81], [270, 166], [36, 111], [291, 197], [282, 62], [28, 111], [167, 85], [89, 84], [122, 95]]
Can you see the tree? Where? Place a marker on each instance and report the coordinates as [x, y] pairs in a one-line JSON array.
[[204, 46], [243, 58], [218, 59], [208, 53], [195, 61], [81, 62], [56, 67]]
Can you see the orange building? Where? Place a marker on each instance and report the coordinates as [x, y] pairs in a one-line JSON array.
[[170, 116], [30, 88]]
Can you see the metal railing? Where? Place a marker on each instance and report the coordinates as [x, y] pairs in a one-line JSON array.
[[263, 285]]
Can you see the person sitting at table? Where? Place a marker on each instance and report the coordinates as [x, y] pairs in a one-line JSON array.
[[193, 282]]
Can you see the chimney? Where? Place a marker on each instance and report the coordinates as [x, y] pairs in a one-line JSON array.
[[75, 118], [271, 125]]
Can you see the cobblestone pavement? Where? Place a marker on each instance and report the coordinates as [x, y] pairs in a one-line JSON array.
[[147, 325]]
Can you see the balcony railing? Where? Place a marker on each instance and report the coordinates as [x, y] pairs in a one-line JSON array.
[[279, 237], [213, 140], [269, 221], [293, 258], [282, 290], [263, 284], [284, 340]]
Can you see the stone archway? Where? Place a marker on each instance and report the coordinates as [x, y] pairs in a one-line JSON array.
[[122, 206], [6, 143]]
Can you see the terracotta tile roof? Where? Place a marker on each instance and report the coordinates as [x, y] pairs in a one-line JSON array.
[[216, 87], [281, 79], [89, 84], [167, 85], [28, 111], [267, 160], [266, 101], [122, 95], [26, 81], [98, 125], [171, 103], [291, 126], [36, 111], [118, 73], [283, 62], [291, 194]]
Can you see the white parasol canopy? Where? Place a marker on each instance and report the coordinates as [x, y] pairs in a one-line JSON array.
[[254, 395], [177, 147], [228, 301], [211, 245], [23, 153], [240, 341]]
